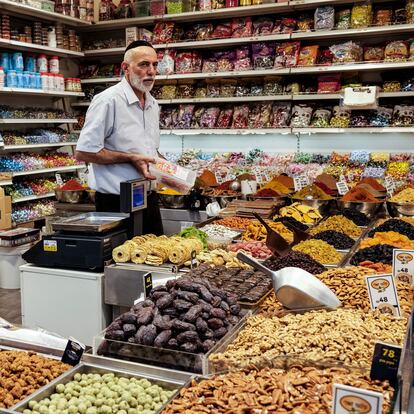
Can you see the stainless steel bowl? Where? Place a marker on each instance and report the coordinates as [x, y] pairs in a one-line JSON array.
[[280, 201], [368, 208], [172, 200], [69, 196], [222, 200], [322, 205], [396, 209]]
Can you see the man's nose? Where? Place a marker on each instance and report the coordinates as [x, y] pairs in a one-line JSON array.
[[152, 70]]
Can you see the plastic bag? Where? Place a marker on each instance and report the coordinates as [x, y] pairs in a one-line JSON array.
[[163, 32], [410, 11], [273, 86], [341, 117], [347, 52], [243, 61], [225, 118], [222, 31], [225, 61], [325, 57], [227, 87], [185, 115], [166, 63], [169, 90], [373, 53], [184, 62], [241, 27], [391, 86], [308, 55], [359, 120], [204, 31], [286, 54], [185, 90], [263, 55], [288, 25], [381, 117], [196, 120], [260, 115], [305, 23], [400, 16], [209, 117], [324, 18], [256, 89], [241, 117], [329, 83], [242, 89], [301, 116], [166, 121], [321, 118], [383, 16], [209, 65], [396, 51], [213, 88], [361, 15], [281, 114], [262, 27], [343, 19], [403, 115]]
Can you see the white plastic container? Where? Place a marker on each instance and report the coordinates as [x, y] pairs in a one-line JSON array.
[[10, 260], [173, 176]]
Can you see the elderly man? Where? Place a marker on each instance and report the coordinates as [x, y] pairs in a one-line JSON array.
[[121, 135]]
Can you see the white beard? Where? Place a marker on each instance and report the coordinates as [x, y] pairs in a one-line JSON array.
[[138, 83]]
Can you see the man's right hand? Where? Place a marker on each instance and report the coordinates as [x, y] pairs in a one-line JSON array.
[[141, 163]]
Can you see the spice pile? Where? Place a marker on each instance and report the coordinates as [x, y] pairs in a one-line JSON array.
[[311, 192]]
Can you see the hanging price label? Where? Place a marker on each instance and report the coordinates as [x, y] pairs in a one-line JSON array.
[[342, 187], [59, 180], [403, 265], [347, 400], [300, 181], [219, 178], [385, 362], [390, 185], [383, 294], [147, 284]]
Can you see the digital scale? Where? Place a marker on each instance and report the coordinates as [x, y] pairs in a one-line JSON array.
[[86, 241]]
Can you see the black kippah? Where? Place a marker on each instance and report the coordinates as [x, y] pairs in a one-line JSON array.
[[138, 43]]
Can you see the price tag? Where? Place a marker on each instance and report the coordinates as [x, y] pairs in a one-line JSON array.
[[403, 265], [383, 294], [219, 178], [348, 400], [59, 180], [147, 283], [342, 187], [83, 178], [300, 181], [194, 261], [385, 362], [73, 352], [390, 185], [185, 224], [50, 246]]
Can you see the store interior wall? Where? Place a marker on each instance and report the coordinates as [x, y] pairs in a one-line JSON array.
[[273, 143]]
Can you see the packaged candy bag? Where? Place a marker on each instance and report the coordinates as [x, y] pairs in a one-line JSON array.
[[209, 117], [163, 32], [185, 115], [329, 83], [324, 18], [225, 118], [347, 52], [241, 27], [262, 27], [301, 116], [260, 115], [361, 15], [341, 117], [373, 53], [396, 51], [343, 19], [166, 63], [241, 117], [403, 115], [243, 61], [308, 55], [287, 54], [263, 55], [321, 118]]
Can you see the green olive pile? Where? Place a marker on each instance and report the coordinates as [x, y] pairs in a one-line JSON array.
[[102, 394]]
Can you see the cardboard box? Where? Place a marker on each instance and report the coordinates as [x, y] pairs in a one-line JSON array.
[[5, 210], [131, 34]]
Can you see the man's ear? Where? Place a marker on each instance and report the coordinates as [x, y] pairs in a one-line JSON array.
[[124, 66]]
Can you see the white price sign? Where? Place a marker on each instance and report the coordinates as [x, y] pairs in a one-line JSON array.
[[347, 400], [383, 294], [59, 180], [403, 265], [390, 185], [300, 181], [219, 178], [342, 187]]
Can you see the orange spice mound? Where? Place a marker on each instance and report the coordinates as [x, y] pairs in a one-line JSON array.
[[359, 194], [373, 183]]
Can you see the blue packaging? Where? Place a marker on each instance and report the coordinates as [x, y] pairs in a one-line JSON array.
[[11, 79], [32, 80], [26, 79], [30, 63], [38, 80], [5, 61], [17, 61], [19, 77]]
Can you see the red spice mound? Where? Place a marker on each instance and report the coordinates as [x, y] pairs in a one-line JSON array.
[[267, 192], [359, 194], [71, 185], [373, 183]]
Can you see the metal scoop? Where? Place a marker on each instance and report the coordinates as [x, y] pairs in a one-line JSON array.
[[274, 241], [296, 288]]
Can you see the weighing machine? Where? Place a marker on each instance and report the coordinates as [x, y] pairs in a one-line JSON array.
[[86, 241]]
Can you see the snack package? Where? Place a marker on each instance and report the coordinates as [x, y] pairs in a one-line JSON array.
[[408, 85], [240, 117], [358, 120], [273, 86], [218, 4], [288, 25], [166, 118], [308, 55], [225, 118], [410, 11], [301, 116], [361, 15], [321, 118], [256, 88], [383, 16], [243, 60], [185, 90], [277, 26], [329, 83], [196, 120], [166, 63], [262, 27], [225, 60], [400, 16], [163, 32], [286, 54], [403, 115], [209, 117], [347, 52], [222, 31], [184, 62], [391, 86], [241, 27], [324, 18], [263, 55], [325, 57], [227, 87], [197, 62], [305, 23], [168, 90], [173, 176], [411, 50], [213, 88], [242, 89], [201, 91], [341, 117], [260, 114], [280, 114], [293, 88], [185, 115], [381, 117], [204, 5], [209, 65], [204, 31], [343, 19], [373, 53], [396, 51]]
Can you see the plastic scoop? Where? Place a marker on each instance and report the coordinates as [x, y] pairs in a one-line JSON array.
[[296, 288], [298, 234], [274, 241]]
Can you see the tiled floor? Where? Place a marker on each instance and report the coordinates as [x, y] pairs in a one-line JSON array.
[[10, 305]]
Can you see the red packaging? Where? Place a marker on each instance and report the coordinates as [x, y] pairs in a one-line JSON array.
[[241, 117], [329, 83], [241, 27]]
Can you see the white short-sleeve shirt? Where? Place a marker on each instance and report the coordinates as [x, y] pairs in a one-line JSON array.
[[116, 121]]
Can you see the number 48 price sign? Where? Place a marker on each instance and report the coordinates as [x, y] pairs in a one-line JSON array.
[[382, 294], [403, 265]]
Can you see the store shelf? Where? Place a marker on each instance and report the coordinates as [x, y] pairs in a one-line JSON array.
[[370, 130], [37, 92], [22, 10], [396, 94], [101, 80], [33, 197], [34, 146], [246, 131], [6, 182], [38, 121], [49, 170], [31, 47], [20, 223], [230, 74]]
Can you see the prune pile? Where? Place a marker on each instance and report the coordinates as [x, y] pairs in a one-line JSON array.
[[338, 240], [294, 222], [360, 219], [380, 253], [295, 259], [186, 314], [399, 226], [248, 285]]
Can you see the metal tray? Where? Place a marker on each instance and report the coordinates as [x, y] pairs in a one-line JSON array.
[[101, 366], [95, 222]]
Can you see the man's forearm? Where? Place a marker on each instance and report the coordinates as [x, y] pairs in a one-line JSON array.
[[104, 156]]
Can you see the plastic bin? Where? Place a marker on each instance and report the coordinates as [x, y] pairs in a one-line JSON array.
[[10, 261]]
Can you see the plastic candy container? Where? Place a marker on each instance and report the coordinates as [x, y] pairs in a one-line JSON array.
[[301, 116], [241, 117], [209, 117], [324, 18], [281, 113], [341, 117]]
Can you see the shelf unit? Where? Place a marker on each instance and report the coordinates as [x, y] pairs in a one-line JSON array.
[[50, 170], [35, 146], [32, 197], [39, 92], [37, 121], [32, 47]]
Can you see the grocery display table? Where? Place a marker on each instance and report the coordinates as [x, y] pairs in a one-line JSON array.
[[67, 302]]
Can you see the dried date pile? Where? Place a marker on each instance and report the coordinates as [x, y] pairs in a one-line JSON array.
[[186, 314], [271, 390], [248, 285]]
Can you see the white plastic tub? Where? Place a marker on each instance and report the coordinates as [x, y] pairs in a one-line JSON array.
[[10, 261]]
